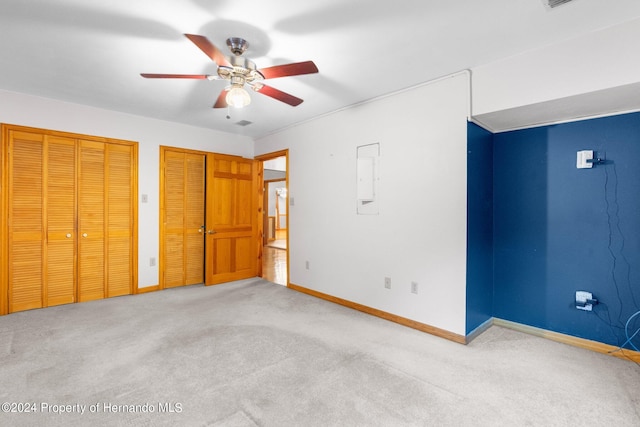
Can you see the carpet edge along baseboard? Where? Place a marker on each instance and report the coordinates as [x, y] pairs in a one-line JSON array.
[[596, 346], [543, 333], [382, 314]]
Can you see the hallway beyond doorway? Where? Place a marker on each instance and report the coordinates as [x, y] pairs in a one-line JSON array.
[[274, 265]]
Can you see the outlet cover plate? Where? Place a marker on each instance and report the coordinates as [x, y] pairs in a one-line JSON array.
[[581, 300], [582, 157]]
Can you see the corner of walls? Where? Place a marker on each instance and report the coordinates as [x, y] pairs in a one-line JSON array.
[[559, 229], [479, 296]]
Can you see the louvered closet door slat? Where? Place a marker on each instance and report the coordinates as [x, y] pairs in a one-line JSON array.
[[120, 220], [25, 221], [174, 221], [194, 219], [61, 214], [91, 221]]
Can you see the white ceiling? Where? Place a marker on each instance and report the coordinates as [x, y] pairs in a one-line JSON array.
[[92, 52]]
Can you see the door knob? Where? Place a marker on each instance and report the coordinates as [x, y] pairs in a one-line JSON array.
[[211, 231], [68, 235], [84, 234]]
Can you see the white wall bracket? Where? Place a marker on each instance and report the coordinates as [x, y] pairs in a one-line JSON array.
[[582, 160], [584, 300]]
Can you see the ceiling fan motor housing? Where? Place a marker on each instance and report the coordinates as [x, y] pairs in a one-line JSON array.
[[240, 66], [237, 45]]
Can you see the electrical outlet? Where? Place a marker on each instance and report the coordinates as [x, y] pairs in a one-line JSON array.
[[306, 265], [581, 300], [152, 262], [387, 282], [414, 287], [584, 159]]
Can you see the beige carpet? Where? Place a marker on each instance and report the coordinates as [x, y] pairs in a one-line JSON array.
[[253, 353]]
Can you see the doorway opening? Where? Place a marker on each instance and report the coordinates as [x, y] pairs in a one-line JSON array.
[[275, 238]]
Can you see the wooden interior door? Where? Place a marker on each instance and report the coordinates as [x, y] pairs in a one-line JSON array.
[[232, 243], [194, 218], [183, 207], [61, 214], [42, 208], [42, 214], [91, 221], [26, 221], [107, 181], [120, 198]]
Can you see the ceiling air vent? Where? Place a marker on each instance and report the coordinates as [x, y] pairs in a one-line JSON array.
[[550, 4], [243, 123]]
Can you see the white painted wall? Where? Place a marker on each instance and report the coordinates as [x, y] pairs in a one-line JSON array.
[[45, 113], [278, 164], [420, 233], [599, 60]]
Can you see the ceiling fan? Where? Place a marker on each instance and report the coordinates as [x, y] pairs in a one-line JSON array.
[[239, 70]]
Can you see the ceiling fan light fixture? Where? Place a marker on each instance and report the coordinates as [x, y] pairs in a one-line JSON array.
[[237, 97], [240, 71]]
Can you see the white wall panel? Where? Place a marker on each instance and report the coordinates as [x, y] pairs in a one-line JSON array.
[[419, 234]]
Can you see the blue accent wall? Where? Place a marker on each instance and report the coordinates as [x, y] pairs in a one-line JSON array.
[[558, 229], [479, 226]]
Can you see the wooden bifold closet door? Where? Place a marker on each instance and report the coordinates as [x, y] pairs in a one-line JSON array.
[[42, 205], [105, 219], [182, 189], [71, 217]]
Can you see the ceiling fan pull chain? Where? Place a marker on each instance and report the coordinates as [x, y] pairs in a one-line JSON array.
[[228, 111]]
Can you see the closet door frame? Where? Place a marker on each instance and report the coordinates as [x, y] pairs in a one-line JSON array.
[[5, 129], [4, 213]]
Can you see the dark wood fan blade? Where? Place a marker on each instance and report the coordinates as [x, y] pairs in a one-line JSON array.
[[221, 102], [174, 76], [280, 95], [295, 69], [209, 49]]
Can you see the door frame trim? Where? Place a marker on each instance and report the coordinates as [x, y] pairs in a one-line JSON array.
[[269, 156], [4, 213]]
